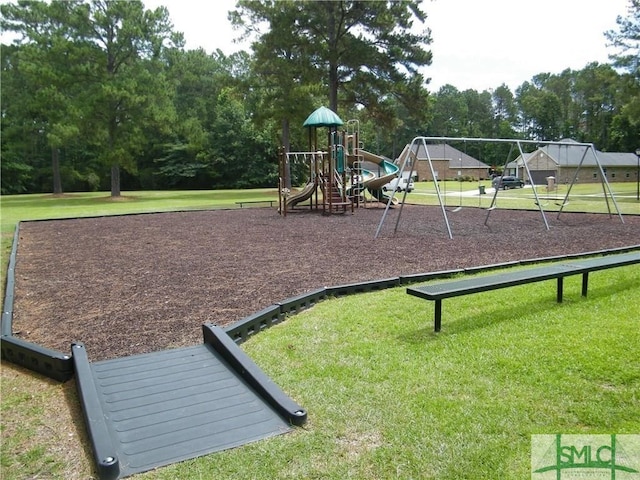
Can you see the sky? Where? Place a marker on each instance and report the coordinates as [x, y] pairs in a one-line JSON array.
[[477, 44]]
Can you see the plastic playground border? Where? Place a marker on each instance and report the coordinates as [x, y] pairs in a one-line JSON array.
[[60, 366]]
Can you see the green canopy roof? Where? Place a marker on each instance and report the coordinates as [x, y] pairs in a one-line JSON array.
[[323, 117]]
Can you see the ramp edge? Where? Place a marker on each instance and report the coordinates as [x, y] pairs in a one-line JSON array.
[[104, 452], [240, 361]]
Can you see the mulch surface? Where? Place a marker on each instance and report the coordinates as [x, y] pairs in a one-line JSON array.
[[140, 283]]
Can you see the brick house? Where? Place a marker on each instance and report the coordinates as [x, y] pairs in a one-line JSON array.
[[448, 163], [562, 161]]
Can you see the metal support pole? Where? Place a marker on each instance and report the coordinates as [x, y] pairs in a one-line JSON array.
[[638, 174]]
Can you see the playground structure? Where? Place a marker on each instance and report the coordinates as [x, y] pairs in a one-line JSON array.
[[422, 141], [338, 178]]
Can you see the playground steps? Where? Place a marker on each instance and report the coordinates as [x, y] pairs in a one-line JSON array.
[[333, 197], [154, 409]]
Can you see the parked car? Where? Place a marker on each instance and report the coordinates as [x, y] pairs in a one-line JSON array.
[[399, 185], [507, 182]]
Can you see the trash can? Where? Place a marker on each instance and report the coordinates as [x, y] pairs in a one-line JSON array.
[[551, 183], [481, 188]]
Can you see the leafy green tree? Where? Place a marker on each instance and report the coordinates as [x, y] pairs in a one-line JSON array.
[[18, 138], [505, 113], [240, 154], [281, 71], [450, 111], [46, 63], [123, 43], [625, 134], [627, 40], [504, 106], [363, 53], [93, 86], [596, 97], [479, 121], [96, 67], [182, 157], [540, 111]]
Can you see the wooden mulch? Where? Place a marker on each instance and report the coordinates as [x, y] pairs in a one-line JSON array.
[[140, 283]]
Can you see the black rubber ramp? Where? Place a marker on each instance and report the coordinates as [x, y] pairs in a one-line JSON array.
[[155, 409]]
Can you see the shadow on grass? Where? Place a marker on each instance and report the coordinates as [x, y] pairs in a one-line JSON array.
[[485, 318]]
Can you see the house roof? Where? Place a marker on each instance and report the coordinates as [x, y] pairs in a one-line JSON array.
[[570, 156], [442, 151]]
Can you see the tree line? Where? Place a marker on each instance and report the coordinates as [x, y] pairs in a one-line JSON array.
[[103, 95]]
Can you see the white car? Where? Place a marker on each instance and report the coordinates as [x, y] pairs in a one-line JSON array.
[[399, 185]]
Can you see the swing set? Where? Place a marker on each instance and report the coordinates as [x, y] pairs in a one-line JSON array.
[[423, 141]]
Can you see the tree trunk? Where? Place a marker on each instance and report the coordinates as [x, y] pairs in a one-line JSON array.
[[55, 165], [333, 62], [115, 180], [287, 148], [333, 88], [115, 167]]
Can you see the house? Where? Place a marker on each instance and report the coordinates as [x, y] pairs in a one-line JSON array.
[[562, 162], [448, 163]]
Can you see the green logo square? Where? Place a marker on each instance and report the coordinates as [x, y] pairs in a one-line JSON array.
[[585, 456]]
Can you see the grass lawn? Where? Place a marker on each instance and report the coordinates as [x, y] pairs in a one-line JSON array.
[[386, 397]]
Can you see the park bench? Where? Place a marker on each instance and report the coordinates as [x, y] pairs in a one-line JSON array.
[[270, 202], [437, 292]]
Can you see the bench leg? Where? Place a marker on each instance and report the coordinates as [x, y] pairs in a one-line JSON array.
[[438, 316], [585, 283], [560, 288]]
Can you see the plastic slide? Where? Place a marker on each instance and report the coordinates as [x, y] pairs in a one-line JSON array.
[[302, 195], [383, 172]]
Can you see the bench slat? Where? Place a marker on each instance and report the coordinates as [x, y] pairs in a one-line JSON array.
[[248, 202], [608, 261], [491, 282]]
